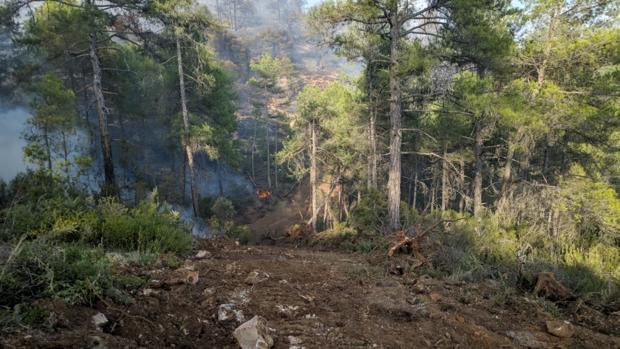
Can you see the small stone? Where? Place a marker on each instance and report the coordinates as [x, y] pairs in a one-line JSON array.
[[287, 311], [562, 329], [100, 321], [192, 277], [526, 339], [254, 334], [227, 312], [435, 297], [256, 277], [202, 254], [295, 342], [149, 292]]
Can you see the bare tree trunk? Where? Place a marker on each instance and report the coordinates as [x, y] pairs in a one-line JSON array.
[[506, 177], [394, 176], [542, 68], [462, 184], [275, 152], [65, 151], [48, 150], [183, 178], [106, 145], [220, 182], [268, 141], [445, 195], [254, 149], [415, 191], [373, 148], [313, 173], [478, 168], [186, 130]]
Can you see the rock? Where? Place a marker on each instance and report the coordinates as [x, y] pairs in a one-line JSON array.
[[526, 339], [191, 277], [256, 277], [295, 342], [209, 294], [287, 311], [147, 292], [227, 312], [202, 254], [435, 297], [100, 321], [562, 329], [254, 334]]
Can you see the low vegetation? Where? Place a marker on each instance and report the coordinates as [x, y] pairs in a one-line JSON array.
[[57, 238]]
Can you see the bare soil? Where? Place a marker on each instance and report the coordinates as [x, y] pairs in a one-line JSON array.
[[315, 299]]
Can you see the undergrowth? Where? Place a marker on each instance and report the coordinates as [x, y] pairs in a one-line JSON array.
[[59, 240], [493, 247]]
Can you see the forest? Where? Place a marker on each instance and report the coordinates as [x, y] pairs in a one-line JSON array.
[[310, 174]]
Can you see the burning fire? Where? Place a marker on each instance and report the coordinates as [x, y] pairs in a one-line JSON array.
[[263, 194]]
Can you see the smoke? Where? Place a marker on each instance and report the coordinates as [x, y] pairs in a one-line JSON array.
[[12, 124]]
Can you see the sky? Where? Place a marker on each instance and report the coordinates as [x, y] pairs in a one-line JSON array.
[[313, 2]]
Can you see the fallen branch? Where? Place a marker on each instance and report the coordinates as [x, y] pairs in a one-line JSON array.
[[414, 244]]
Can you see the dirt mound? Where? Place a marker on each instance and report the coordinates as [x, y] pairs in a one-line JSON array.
[[312, 299]]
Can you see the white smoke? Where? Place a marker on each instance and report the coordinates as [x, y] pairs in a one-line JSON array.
[[12, 125]]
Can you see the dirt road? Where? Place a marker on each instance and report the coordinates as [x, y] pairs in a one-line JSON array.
[[314, 299]]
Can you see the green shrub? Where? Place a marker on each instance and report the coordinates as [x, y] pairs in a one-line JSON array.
[[204, 207], [66, 215], [75, 273], [223, 209], [142, 228], [241, 233], [369, 215], [481, 248], [338, 231]]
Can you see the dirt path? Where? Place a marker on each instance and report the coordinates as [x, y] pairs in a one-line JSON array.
[[314, 299]]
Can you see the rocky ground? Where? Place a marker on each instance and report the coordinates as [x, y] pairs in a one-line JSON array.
[[315, 299]]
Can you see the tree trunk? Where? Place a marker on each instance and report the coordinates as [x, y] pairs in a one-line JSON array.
[[106, 145], [478, 168], [313, 173], [186, 131], [48, 149], [275, 152], [268, 141], [506, 177], [373, 148], [220, 182], [394, 177], [445, 194], [462, 185], [65, 153], [254, 150]]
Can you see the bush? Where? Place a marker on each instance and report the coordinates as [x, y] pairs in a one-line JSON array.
[[223, 209], [241, 233], [338, 231], [142, 228], [484, 248], [75, 273], [69, 216], [369, 215]]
